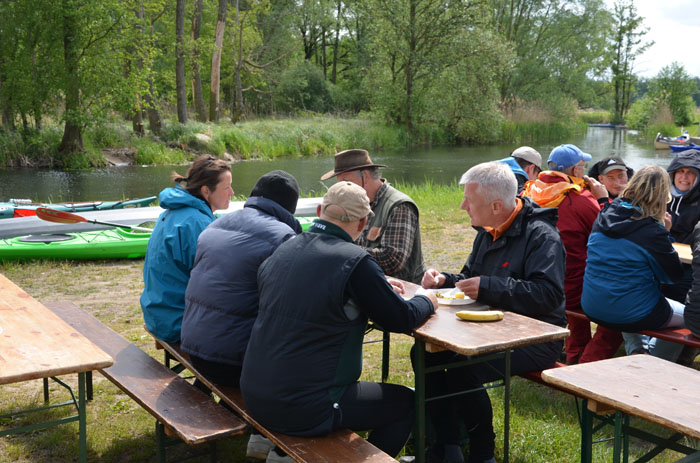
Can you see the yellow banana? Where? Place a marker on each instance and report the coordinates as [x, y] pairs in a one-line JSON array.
[[480, 315]]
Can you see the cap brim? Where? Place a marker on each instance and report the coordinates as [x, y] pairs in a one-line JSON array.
[[333, 173], [586, 157]]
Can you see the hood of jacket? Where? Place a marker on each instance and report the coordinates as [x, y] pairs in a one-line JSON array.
[[514, 166], [178, 198], [274, 209], [617, 219], [531, 211]]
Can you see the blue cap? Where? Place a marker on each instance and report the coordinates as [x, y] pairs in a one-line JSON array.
[[564, 156]]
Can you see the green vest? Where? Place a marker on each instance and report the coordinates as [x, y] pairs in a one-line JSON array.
[[414, 268]]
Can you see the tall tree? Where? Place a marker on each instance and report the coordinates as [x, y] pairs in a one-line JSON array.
[[626, 46], [547, 37], [215, 81], [673, 86], [412, 39], [181, 88], [196, 77]]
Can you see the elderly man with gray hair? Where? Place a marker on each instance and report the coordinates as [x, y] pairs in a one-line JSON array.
[[517, 264]]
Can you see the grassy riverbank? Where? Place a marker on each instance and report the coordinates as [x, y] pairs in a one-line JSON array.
[[544, 426], [256, 139]]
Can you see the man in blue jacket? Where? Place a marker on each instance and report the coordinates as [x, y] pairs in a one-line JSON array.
[[317, 292]]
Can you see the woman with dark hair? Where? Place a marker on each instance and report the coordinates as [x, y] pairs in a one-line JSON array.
[[171, 250], [629, 256]]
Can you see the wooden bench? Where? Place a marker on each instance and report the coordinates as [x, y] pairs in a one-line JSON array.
[[179, 407], [340, 446], [677, 335]]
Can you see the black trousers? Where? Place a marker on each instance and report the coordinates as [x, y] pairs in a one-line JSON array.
[[385, 409], [474, 409]]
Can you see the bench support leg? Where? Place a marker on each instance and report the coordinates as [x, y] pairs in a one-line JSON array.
[[46, 390], [88, 378], [506, 411], [160, 442], [617, 442]]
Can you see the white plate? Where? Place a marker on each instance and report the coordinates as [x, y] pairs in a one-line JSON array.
[[450, 300]]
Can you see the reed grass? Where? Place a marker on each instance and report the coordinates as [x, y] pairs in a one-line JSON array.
[[594, 117]]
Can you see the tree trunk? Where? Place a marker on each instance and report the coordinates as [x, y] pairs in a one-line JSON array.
[[336, 40], [137, 119], [196, 77], [409, 70], [323, 52], [180, 85], [238, 109], [154, 119], [214, 95], [72, 134]]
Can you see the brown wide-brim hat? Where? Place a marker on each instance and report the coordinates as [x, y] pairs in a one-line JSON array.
[[349, 160]]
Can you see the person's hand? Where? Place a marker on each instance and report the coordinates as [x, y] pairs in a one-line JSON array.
[[470, 287], [433, 299], [432, 279], [597, 189], [668, 220], [396, 285]]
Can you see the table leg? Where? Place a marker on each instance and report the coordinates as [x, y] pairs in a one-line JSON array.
[[82, 427], [626, 440], [506, 407], [386, 346], [586, 433], [617, 441], [420, 425]]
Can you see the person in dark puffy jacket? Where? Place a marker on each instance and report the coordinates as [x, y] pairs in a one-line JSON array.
[[172, 246], [692, 303], [221, 301]]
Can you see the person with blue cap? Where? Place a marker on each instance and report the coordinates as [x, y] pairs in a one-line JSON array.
[[579, 199]]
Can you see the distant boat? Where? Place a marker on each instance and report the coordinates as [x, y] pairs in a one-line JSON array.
[[609, 125], [664, 143], [679, 148]]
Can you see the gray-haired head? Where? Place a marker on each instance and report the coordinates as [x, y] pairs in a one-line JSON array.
[[496, 182]]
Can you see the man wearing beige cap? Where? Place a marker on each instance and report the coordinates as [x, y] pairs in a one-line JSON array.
[[317, 292], [392, 235], [525, 163]]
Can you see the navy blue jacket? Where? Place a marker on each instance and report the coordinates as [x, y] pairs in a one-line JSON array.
[[628, 260], [221, 301]]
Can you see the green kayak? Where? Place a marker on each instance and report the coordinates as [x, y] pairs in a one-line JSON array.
[[117, 243]]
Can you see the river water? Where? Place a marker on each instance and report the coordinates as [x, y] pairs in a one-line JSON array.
[[442, 165]]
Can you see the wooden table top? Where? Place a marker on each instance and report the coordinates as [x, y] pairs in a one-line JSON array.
[[35, 343], [684, 252], [639, 385], [445, 331]]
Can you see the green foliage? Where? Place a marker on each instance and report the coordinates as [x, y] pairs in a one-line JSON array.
[[594, 117], [150, 152], [674, 87], [303, 87], [529, 132]]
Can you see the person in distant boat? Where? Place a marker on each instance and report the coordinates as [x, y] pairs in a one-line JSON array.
[[171, 249], [303, 363], [578, 200], [525, 162], [517, 264], [392, 235], [613, 173]]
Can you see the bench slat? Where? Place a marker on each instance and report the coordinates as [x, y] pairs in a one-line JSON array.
[[678, 335], [193, 415], [342, 445]]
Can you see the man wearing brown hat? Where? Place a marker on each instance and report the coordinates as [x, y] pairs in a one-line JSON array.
[[317, 292], [392, 236]]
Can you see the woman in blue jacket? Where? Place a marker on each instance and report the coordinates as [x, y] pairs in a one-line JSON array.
[[630, 255], [171, 249]]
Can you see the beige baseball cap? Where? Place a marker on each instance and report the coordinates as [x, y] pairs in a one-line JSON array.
[[347, 202], [529, 154]]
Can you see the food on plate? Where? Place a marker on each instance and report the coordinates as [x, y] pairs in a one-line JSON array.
[[459, 295], [480, 315], [440, 295]]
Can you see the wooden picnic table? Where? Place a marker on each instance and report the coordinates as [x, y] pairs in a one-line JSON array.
[[37, 344], [479, 342], [637, 385], [685, 252]]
